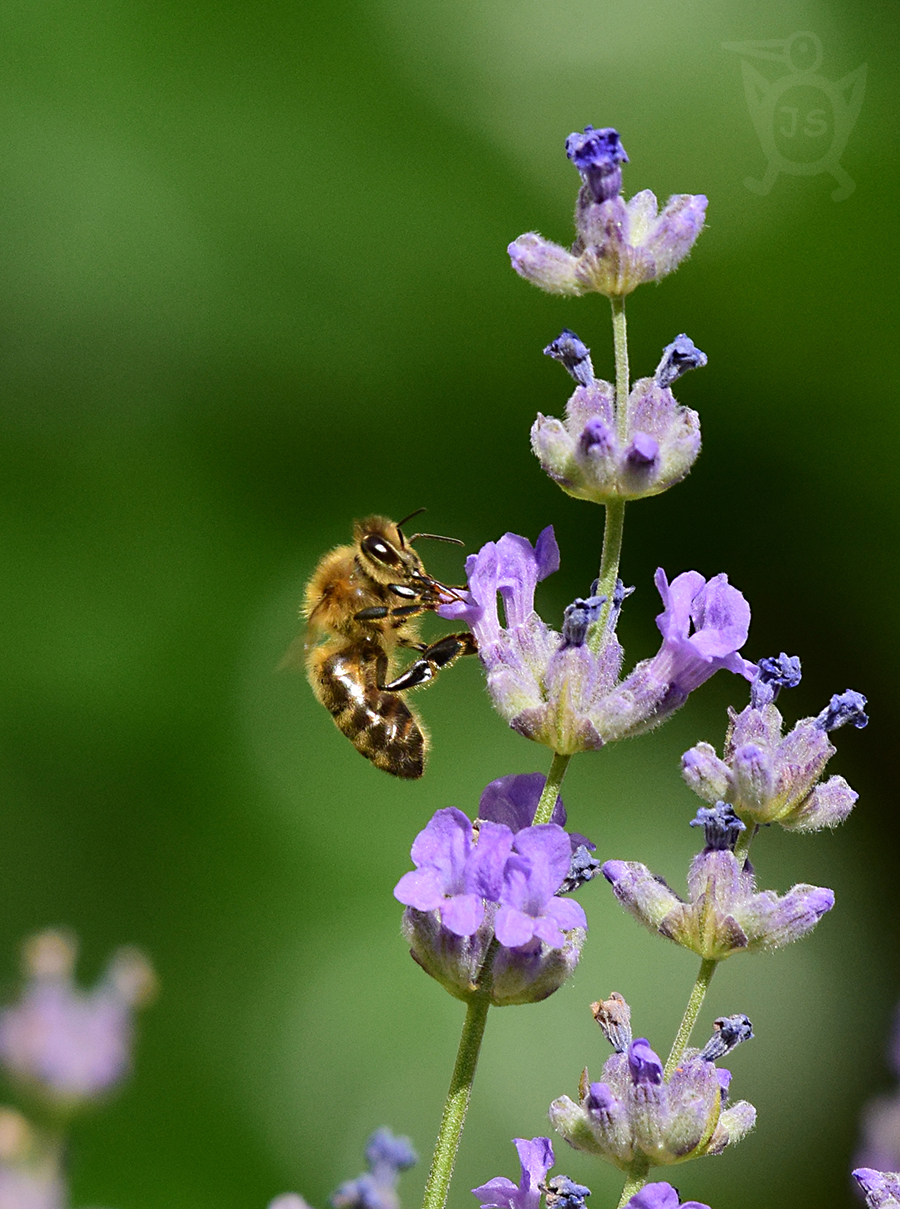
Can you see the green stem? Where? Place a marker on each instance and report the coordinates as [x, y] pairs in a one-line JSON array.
[[551, 788], [742, 847], [457, 1105], [620, 344], [692, 1011], [637, 1178], [615, 510]]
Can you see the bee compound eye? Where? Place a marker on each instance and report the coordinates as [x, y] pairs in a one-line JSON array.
[[376, 547]]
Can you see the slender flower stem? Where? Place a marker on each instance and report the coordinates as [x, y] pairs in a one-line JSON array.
[[620, 342], [615, 511], [551, 788], [692, 1011], [457, 1105], [742, 847], [637, 1178]]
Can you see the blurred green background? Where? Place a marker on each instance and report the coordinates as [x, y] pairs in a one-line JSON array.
[[254, 285]]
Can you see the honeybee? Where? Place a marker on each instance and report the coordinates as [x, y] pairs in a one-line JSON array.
[[362, 603]]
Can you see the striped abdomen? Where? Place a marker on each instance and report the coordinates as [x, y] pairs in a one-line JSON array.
[[379, 724]]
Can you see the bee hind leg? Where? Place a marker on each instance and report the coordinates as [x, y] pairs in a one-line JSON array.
[[438, 655]]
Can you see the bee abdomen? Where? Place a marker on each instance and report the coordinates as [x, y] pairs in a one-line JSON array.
[[380, 725]]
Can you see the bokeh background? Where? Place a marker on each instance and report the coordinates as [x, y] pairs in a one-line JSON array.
[[254, 284]]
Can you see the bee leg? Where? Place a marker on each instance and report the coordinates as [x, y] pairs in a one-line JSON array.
[[398, 616], [439, 654]]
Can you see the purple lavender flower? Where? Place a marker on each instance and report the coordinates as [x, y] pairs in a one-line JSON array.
[[633, 1114], [529, 907], [773, 779], [660, 1196], [879, 1145], [724, 913], [619, 245], [66, 1045], [882, 1188], [598, 454], [569, 697], [536, 1159], [454, 875], [386, 1157], [472, 886]]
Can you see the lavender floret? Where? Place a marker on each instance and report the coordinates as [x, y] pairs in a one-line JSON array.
[[721, 826], [561, 1192], [730, 1032], [678, 357], [843, 708], [578, 618], [535, 1158], [573, 354], [774, 674], [598, 156]]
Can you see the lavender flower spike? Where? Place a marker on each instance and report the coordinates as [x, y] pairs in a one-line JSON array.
[[771, 778], [660, 1196], [536, 1158], [724, 914], [67, 1045], [881, 1188], [619, 245], [553, 688]]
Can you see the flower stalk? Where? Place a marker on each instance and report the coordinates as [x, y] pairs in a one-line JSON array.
[[708, 967], [457, 1105]]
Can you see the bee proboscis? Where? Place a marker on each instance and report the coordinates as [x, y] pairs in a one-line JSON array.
[[362, 603]]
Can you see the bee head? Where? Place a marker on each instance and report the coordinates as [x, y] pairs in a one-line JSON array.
[[384, 551]]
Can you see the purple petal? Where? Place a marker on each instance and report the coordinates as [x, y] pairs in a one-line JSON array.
[[463, 914]]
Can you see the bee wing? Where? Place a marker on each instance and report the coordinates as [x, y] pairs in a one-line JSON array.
[[294, 658]]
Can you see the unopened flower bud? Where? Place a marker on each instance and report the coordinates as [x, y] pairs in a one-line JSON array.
[[843, 708], [678, 357], [730, 1032], [598, 156], [634, 1115], [575, 356]]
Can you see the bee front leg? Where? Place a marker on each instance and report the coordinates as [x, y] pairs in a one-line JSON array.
[[440, 654]]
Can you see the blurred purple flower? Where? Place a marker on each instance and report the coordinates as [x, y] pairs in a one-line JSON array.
[[65, 1044], [386, 1157], [881, 1188]]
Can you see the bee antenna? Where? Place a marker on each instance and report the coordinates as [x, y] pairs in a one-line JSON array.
[[436, 537], [400, 524]]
